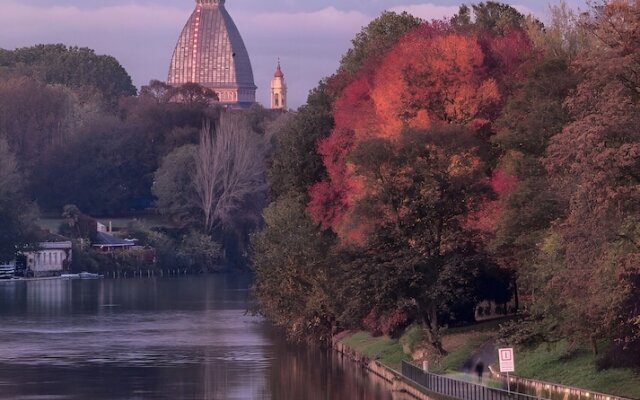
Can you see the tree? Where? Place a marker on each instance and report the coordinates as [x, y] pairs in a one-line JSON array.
[[17, 214], [229, 167], [79, 225], [35, 117], [293, 275], [431, 76], [193, 93], [531, 118], [99, 170], [295, 165], [77, 68], [495, 17], [157, 90], [417, 254], [376, 38], [593, 163], [173, 187], [200, 251]]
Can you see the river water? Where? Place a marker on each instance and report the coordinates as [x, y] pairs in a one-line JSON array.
[[182, 338]]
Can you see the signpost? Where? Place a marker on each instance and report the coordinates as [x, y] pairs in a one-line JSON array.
[[507, 363]]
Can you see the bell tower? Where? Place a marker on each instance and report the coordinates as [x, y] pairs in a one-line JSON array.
[[278, 90]]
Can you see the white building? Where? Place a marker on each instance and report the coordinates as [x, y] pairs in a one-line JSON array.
[[51, 258]]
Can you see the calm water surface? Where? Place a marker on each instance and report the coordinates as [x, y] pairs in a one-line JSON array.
[[187, 338]]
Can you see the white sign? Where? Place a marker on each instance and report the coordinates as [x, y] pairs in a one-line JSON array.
[[507, 361]]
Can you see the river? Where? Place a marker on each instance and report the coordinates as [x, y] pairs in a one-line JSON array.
[[180, 338]]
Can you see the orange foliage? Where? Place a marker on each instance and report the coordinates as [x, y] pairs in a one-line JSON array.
[[433, 75]]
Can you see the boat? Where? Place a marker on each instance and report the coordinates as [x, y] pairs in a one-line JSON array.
[[89, 275], [7, 271], [70, 276]]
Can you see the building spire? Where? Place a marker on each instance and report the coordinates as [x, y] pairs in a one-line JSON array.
[[278, 73], [278, 90]]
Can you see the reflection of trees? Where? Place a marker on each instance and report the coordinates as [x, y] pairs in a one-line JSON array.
[[306, 372]]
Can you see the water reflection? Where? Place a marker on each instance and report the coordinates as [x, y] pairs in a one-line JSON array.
[[184, 338]]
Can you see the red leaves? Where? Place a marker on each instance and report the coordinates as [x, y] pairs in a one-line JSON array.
[[432, 75], [509, 53], [384, 324], [486, 218]]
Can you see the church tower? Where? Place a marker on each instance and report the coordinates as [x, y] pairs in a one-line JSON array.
[[278, 90], [211, 52]]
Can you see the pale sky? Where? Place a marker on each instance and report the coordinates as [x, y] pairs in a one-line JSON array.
[[309, 36]]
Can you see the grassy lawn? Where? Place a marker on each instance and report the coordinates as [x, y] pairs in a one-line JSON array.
[[149, 221], [383, 349], [467, 344], [553, 365], [544, 363]]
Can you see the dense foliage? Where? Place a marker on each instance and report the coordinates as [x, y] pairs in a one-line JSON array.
[[73, 131], [451, 162]]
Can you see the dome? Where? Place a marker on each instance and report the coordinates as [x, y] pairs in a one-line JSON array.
[[211, 52]]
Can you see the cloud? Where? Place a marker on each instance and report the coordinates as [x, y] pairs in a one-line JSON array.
[[142, 37], [329, 21], [132, 17]]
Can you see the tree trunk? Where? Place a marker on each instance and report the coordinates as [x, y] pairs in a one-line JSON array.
[[432, 329], [516, 295], [594, 345]]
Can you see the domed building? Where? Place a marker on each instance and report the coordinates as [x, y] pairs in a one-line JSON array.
[[211, 52]]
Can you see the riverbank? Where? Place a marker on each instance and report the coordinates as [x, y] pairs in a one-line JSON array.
[[545, 362], [402, 388]]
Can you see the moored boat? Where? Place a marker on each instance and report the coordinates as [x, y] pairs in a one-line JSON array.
[[7, 271]]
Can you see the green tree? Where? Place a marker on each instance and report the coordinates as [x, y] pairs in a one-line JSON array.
[[34, 117], [200, 251], [78, 68], [99, 170], [294, 279], [376, 38], [295, 165], [17, 214], [173, 187], [531, 118], [491, 16]]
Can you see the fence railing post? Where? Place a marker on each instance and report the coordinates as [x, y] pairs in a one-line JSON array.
[[457, 389]]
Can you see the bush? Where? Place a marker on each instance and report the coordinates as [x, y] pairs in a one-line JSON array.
[[200, 252], [391, 324]]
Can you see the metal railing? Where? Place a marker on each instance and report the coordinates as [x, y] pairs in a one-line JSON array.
[[457, 389]]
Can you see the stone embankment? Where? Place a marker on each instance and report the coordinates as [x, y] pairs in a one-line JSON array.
[[402, 388], [551, 390]]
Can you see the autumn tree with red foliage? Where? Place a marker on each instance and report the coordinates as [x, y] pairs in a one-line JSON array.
[[433, 75], [417, 256]]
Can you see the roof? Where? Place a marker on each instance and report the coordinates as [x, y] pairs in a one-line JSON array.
[[210, 51], [55, 245], [278, 73], [106, 240]]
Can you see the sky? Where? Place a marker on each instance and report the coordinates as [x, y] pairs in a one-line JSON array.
[[309, 36]]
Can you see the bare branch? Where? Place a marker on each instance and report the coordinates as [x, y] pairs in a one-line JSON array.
[[229, 168]]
